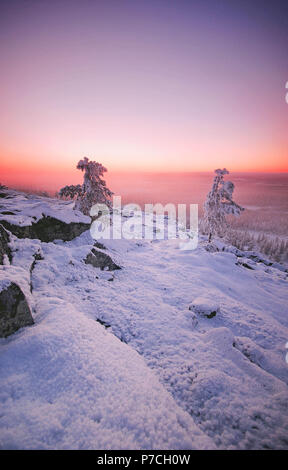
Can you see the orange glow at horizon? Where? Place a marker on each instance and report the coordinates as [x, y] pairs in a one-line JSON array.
[[28, 175], [112, 83]]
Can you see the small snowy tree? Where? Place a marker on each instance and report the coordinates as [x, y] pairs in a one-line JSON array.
[[218, 204], [93, 189], [71, 191]]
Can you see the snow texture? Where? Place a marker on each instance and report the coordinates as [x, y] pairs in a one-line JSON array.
[[24, 209], [205, 306], [117, 361]]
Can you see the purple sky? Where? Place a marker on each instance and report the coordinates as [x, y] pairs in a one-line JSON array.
[[152, 85]]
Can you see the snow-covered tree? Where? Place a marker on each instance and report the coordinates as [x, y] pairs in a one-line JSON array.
[[218, 204], [93, 189], [71, 191]]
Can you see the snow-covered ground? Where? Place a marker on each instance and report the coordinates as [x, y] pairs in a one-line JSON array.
[[24, 209], [119, 361]]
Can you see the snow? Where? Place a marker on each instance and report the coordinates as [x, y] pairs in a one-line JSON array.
[[28, 209], [123, 364], [204, 306], [69, 384], [4, 283]]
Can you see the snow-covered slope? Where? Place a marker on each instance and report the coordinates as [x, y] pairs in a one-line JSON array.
[[24, 209], [117, 360]]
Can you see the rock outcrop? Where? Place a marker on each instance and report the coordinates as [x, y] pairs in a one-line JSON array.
[[48, 229], [4, 247], [14, 309], [101, 260]]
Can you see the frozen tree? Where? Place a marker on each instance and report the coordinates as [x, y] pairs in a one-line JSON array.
[[218, 204], [93, 189], [71, 191]]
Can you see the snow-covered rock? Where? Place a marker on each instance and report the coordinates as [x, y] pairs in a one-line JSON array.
[[48, 229], [205, 307], [14, 309], [23, 209], [43, 218], [246, 263], [101, 260], [4, 245]]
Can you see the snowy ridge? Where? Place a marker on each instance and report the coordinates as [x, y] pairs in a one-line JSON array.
[[24, 209], [127, 364]]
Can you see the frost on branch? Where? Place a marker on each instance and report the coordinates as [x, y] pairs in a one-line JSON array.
[[70, 191], [93, 190], [218, 204]]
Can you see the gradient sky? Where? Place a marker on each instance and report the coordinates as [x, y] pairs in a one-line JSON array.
[[153, 85]]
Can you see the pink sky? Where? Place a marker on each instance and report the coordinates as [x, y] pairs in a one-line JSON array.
[[157, 86]]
